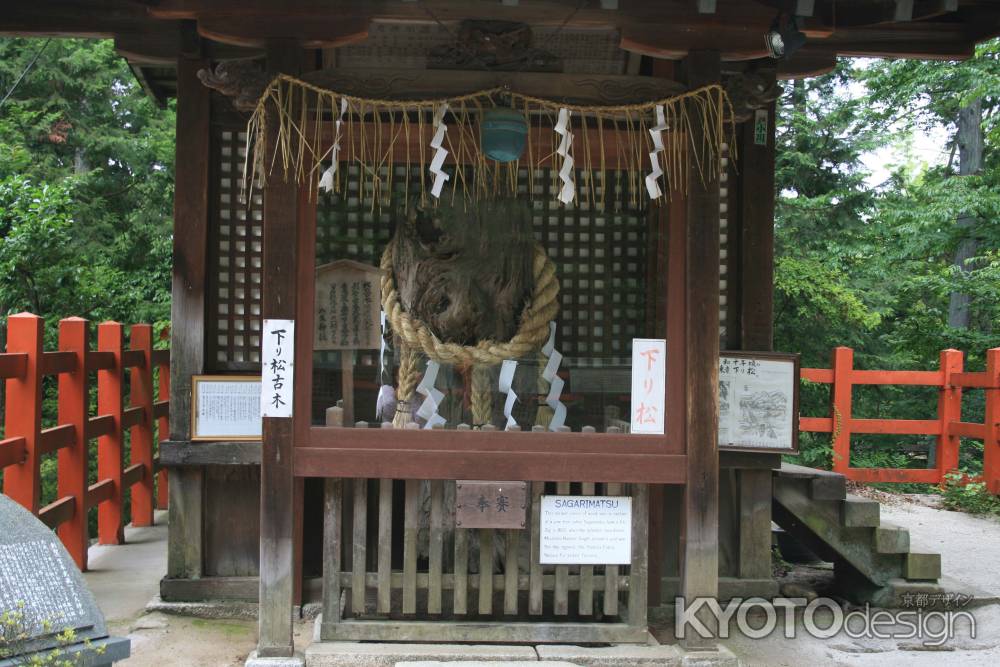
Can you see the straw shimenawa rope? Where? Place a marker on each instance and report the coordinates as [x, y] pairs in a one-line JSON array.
[[298, 116], [416, 338]]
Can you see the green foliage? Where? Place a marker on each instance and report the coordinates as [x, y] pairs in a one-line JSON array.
[[36, 267], [872, 267], [17, 628], [86, 186], [962, 494]]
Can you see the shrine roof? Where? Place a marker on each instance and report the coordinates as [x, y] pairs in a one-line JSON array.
[[599, 37]]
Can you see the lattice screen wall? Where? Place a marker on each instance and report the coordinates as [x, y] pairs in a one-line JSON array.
[[724, 247], [234, 262]]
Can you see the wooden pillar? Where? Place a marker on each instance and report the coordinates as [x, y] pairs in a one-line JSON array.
[[23, 410], [111, 446], [163, 429], [700, 565], [991, 441], [277, 484], [74, 403], [657, 290], [187, 334], [840, 407], [756, 321], [949, 410], [756, 277], [141, 393]]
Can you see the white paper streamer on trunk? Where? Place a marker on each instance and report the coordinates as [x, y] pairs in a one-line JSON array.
[[562, 128], [428, 409], [656, 132], [556, 383], [506, 378], [326, 180], [385, 404], [440, 152]]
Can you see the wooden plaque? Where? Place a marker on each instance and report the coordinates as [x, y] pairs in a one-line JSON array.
[[759, 402], [225, 407], [490, 504], [348, 307]]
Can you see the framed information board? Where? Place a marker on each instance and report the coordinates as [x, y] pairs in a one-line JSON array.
[[759, 401], [225, 407]]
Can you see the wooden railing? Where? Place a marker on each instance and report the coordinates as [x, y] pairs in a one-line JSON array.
[[25, 441], [947, 426]]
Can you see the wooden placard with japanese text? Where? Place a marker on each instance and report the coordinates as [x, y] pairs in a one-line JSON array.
[[347, 308], [759, 401], [490, 504], [225, 407]]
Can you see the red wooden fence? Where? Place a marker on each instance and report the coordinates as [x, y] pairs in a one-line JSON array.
[[947, 424], [24, 365]]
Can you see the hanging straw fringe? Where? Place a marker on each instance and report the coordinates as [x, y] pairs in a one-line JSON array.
[[312, 124]]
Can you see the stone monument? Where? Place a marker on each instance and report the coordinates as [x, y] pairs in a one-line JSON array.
[[42, 595]]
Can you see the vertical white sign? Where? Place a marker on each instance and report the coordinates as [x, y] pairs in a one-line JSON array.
[[649, 372], [277, 368]]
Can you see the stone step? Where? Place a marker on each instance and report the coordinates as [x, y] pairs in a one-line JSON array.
[[823, 484], [871, 557], [481, 663], [858, 512], [922, 567], [891, 540], [361, 654]]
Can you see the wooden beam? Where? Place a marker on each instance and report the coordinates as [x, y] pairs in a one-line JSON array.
[[191, 213], [804, 63], [700, 564], [191, 209], [655, 29], [669, 29], [387, 83], [315, 33], [756, 232], [277, 520], [183, 453], [70, 18]]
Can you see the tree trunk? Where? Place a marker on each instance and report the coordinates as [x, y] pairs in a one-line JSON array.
[[970, 156]]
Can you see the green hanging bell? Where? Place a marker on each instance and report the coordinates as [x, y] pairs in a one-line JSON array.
[[504, 133]]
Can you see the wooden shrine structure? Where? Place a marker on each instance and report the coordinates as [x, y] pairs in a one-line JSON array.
[[359, 517]]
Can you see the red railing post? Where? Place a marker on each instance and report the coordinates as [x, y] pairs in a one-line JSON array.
[[141, 390], [23, 410], [991, 435], [949, 410], [163, 430], [110, 523], [840, 407], [74, 401]]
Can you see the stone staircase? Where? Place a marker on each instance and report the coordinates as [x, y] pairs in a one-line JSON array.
[[872, 560]]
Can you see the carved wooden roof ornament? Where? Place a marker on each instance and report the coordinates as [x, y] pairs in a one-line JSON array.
[[242, 81], [752, 90], [493, 46]]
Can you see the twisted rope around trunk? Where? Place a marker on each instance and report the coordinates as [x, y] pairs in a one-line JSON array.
[[414, 335]]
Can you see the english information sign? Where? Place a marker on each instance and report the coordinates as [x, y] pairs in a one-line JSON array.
[[586, 530]]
